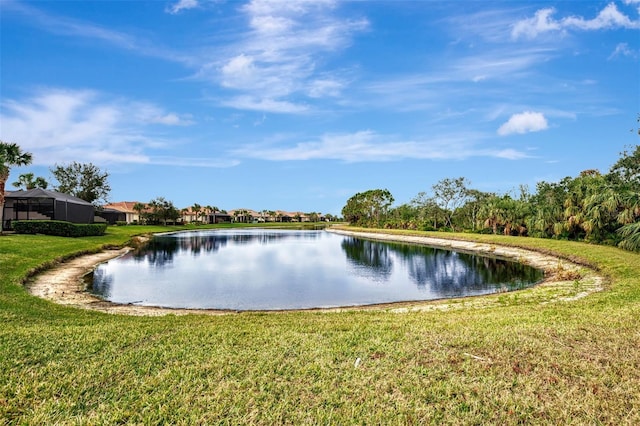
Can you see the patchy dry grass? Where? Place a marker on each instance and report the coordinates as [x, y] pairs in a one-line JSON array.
[[515, 360]]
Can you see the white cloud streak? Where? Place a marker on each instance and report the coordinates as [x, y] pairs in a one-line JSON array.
[[61, 25], [524, 122], [543, 22], [60, 126], [368, 146]]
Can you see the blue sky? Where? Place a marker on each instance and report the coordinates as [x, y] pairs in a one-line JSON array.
[[299, 105]]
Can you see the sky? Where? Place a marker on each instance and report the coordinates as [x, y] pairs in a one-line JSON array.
[[298, 105]]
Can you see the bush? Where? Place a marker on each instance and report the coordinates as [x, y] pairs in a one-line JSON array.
[[59, 228], [121, 223]]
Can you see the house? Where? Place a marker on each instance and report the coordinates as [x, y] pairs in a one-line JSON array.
[[42, 204], [204, 215], [217, 217], [244, 215], [122, 211]]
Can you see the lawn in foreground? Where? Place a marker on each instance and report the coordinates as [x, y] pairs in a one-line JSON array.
[[515, 361]]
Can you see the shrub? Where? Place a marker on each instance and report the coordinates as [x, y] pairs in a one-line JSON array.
[[59, 228], [121, 223]]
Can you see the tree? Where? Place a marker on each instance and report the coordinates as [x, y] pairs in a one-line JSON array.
[[139, 208], [29, 181], [162, 210], [630, 236], [450, 194], [85, 181], [626, 171], [10, 155], [428, 211], [368, 208], [197, 208], [472, 207]]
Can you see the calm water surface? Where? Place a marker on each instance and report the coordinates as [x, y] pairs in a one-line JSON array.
[[257, 269]]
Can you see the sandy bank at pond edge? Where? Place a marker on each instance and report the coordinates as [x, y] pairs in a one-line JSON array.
[[564, 281]]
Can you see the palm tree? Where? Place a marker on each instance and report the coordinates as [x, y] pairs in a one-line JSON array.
[[29, 181], [630, 236], [10, 155], [196, 209], [210, 210], [139, 208]]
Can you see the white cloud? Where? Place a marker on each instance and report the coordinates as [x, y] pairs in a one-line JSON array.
[[540, 23], [58, 126], [368, 146], [525, 122], [265, 105], [280, 55], [325, 87], [543, 22], [182, 5], [172, 119], [622, 49]]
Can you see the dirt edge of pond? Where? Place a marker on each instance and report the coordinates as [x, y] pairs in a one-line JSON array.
[[64, 283]]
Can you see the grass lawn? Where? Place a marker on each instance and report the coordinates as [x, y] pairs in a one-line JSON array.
[[520, 361]]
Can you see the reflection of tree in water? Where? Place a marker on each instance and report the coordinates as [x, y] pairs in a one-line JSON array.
[[443, 272], [99, 282], [451, 273], [158, 251], [369, 259]]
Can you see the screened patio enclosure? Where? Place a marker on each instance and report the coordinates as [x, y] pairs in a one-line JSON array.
[[40, 204]]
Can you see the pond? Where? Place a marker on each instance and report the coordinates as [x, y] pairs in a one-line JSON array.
[[267, 269]]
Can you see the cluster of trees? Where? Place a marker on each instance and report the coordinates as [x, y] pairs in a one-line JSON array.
[[83, 180], [265, 215], [158, 210], [594, 207]]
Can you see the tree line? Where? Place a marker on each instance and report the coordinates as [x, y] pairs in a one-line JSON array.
[[594, 207]]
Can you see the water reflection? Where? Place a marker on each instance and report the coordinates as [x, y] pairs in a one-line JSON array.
[[275, 269], [368, 258], [446, 272]]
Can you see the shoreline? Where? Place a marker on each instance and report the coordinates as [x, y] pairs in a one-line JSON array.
[[64, 284]]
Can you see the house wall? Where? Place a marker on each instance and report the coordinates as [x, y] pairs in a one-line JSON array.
[[76, 213]]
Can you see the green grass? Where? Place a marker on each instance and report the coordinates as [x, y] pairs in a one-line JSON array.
[[519, 362]]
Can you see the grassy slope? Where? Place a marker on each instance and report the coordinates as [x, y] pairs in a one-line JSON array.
[[565, 362]]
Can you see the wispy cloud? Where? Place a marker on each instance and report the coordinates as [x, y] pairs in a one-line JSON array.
[[524, 122], [181, 5], [543, 22], [277, 61], [64, 26], [623, 49], [369, 146], [59, 126], [252, 103]]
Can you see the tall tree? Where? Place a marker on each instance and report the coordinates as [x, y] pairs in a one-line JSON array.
[[196, 208], [85, 181], [626, 171], [29, 181], [450, 194], [10, 155]]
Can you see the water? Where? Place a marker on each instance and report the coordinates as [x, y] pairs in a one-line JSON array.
[[258, 269]]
